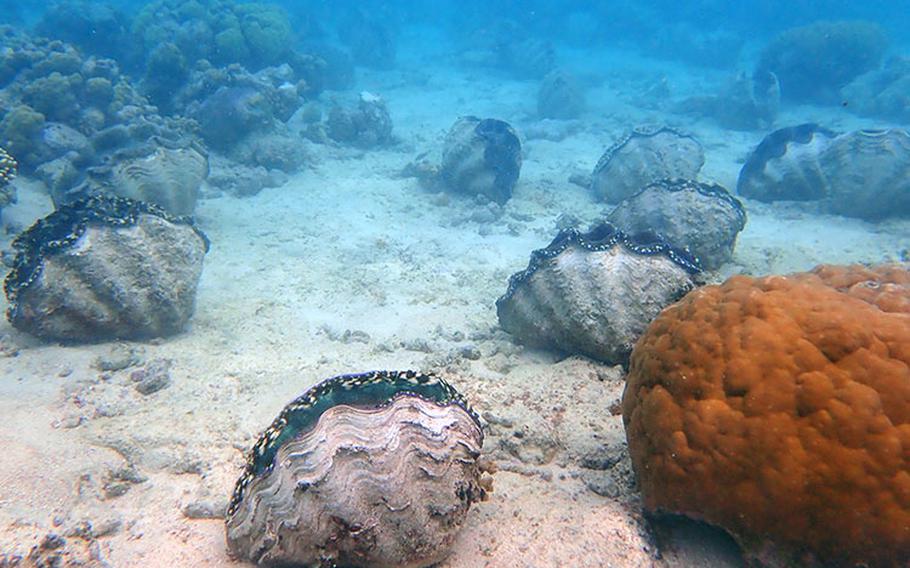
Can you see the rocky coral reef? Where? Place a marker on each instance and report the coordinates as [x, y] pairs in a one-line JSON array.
[[481, 157], [66, 113], [777, 408], [243, 115], [97, 28], [814, 62], [105, 268], [594, 293], [372, 469], [220, 31], [642, 156], [702, 218], [861, 174]]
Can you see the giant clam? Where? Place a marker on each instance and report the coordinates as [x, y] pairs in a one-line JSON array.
[[702, 217], [642, 156], [864, 173], [167, 177], [594, 293], [868, 174], [103, 268], [560, 96], [785, 165], [375, 469], [481, 157]]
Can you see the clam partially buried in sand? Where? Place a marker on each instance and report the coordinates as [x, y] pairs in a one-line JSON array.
[[375, 469], [644, 155], [105, 268], [594, 293]]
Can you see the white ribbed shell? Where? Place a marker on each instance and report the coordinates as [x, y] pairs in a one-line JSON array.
[[595, 303], [116, 283], [379, 487]]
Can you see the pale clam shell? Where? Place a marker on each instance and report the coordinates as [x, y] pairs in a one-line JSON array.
[[701, 217], [643, 156], [168, 177], [594, 293], [786, 165], [128, 278], [379, 484], [481, 157]]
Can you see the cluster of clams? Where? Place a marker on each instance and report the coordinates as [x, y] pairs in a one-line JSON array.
[[594, 293], [381, 468]]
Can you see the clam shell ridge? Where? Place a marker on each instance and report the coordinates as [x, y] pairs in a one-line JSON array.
[[644, 155], [169, 178], [593, 293], [136, 303], [371, 469]]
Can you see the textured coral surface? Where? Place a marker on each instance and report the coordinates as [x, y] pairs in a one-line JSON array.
[[779, 409]]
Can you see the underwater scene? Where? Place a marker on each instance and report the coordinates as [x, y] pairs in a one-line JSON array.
[[479, 283]]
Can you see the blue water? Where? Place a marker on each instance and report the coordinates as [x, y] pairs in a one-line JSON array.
[[322, 127]]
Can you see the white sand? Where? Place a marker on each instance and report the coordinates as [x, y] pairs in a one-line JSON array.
[[349, 246]]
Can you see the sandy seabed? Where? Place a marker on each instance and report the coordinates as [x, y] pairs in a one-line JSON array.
[[352, 267]]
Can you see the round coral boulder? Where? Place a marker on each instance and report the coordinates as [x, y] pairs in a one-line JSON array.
[[779, 409]]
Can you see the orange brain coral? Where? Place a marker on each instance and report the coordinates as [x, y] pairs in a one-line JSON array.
[[779, 409]]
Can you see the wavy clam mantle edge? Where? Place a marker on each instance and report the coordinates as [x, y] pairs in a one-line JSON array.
[[373, 389]]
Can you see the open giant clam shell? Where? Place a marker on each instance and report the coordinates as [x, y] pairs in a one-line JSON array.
[[105, 268], [595, 293], [643, 156], [373, 469]]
